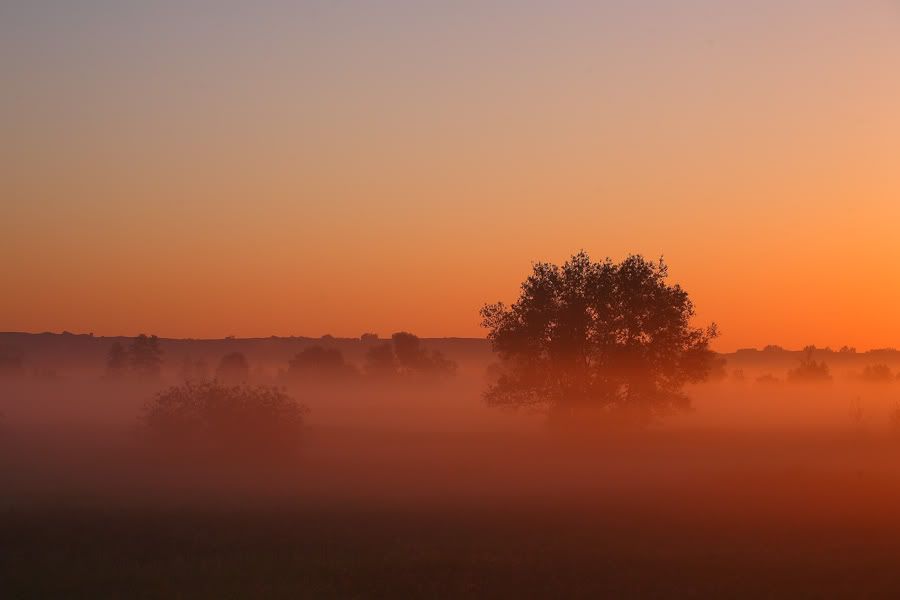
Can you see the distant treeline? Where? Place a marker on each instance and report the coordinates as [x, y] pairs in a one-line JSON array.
[[51, 355]]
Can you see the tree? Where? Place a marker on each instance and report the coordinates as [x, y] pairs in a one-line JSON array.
[[598, 337], [879, 373], [412, 358], [116, 361], [225, 418], [380, 361], [369, 338], [317, 362], [146, 356], [405, 356], [233, 369], [809, 370]]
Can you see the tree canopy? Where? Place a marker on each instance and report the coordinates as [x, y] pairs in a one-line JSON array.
[[614, 338]]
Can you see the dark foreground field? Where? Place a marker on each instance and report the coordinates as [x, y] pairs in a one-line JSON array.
[[683, 514], [450, 553]]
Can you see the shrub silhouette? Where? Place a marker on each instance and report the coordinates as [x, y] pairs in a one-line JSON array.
[[233, 369], [380, 361], [216, 416], [145, 356], [877, 374], [117, 361], [611, 338], [317, 362], [809, 370]]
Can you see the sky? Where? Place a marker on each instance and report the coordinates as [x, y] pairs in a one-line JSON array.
[[203, 169]]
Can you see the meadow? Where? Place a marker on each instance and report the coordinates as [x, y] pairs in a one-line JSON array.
[[416, 489]]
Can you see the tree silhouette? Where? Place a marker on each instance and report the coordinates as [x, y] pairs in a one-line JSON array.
[[413, 358], [116, 361], [233, 369], [404, 356], [317, 362], [380, 361], [809, 370], [879, 373], [604, 337], [145, 356], [225, 418]]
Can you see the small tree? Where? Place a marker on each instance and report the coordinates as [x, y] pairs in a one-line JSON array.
[[223, 418], [146, 356], [319, 363], [809, 370], [877, 374], [412, 358], [603, 337], [404, 356], [116, 361], [380, 361]]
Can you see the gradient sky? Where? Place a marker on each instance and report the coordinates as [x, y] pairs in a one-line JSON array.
[[297, 168]]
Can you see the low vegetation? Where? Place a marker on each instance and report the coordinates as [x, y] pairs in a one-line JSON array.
[[224, 418]]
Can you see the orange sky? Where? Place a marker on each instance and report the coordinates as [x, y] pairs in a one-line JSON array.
[[340, 167]]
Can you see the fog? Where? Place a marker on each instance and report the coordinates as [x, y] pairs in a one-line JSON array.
[[81, 437], [756, 477]]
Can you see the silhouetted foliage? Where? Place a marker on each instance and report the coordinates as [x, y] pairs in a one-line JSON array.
[[380, 361], [317, 362], [404, 356], [773, 348], [847, 350], [412, 358], [233, 369], [768, 379], [117, 361], [809, 370], [607, 337], [145, 356], [369, 338], [877, 374], [225, 418]]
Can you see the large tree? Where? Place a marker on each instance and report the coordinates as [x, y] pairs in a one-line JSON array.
[[613, 339]]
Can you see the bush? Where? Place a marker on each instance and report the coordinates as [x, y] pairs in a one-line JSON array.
[[877, 374], [809, 370], [318, 363], [212, 415]]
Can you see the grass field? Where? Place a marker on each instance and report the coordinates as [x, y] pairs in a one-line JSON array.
[[358, 515]]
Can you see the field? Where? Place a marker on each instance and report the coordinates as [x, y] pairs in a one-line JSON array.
[[422, 491]]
